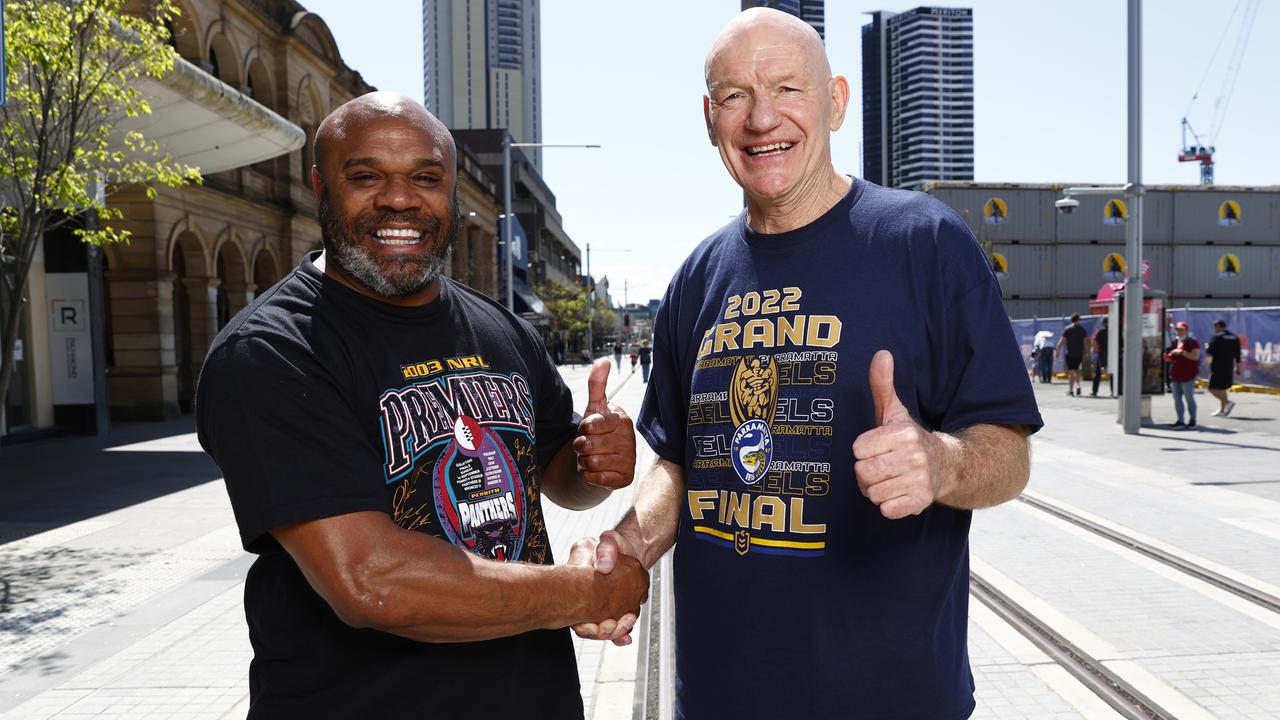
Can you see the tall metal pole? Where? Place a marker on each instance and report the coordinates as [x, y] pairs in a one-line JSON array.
[[1131, 398], [591, 304], [506, 221]]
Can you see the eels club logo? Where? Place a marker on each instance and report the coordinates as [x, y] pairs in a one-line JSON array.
[[752, 449]]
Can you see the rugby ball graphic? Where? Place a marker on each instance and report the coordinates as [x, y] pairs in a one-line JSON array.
[[467, 433]]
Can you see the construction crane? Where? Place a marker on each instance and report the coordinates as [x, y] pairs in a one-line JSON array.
[[1199, 150]]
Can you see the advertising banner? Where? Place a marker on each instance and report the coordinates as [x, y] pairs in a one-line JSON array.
[[1259, 333], [70, 338]]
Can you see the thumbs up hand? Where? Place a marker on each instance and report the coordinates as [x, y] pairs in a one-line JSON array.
[[900, 466], [606, 442]]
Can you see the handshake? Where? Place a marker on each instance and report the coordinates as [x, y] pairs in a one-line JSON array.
[[622, 580]]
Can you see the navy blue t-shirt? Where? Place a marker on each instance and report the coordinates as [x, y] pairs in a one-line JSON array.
[[795, 597]]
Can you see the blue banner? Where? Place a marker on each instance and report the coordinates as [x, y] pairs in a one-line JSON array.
[[1257, 328], [1259, 333]]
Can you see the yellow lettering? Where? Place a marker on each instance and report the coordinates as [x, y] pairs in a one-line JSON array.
[[824, 330], [700, 501], [456, 363], [791, 331], [798, 525], [726, 337], [758, 332], [736, 509], [770, 511], [705, 347], [751, 303], [791, 299]]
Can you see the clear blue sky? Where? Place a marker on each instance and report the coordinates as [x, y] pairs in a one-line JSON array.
[[1050, 104]]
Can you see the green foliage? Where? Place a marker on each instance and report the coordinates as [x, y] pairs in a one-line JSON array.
[[71, 70], [71, 65], [567, 306]]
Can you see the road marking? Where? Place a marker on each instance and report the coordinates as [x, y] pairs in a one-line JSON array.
[[1261, 527], [1181, 706]]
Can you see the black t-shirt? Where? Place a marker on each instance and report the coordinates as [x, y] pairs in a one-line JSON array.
[[646, 354], [317, 401], [1224, 352], [795, 597], [1075, 335], [1100, 339]]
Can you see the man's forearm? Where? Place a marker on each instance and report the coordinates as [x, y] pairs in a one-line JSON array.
[[987, 465], [562, 481], [650, 525]]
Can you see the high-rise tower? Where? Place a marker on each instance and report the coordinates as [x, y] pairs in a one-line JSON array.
[[810, 11], [917, 96], [482, 67]]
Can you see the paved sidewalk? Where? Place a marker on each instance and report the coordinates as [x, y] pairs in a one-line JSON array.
[[121, 576]]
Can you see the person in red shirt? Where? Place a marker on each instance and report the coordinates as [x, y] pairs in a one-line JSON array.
[[1184, 354]]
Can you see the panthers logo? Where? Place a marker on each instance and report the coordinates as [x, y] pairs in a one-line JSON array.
[[753, 392]]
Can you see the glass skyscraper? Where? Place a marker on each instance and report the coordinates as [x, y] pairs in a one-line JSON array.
[[917, 96], [810, 11]]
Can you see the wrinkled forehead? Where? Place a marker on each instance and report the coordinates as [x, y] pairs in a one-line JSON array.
[[771, 51]]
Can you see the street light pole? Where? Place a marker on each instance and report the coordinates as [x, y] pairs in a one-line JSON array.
[[507, 256], [1131, 396]]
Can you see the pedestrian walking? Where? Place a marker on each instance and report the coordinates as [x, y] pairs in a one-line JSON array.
[[646, 358], [1072, 341], [1100, 360], [1184, 364], [617, 356], [1042, 353], [1224, 365]]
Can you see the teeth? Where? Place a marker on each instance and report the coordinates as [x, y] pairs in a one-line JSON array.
[[763, 149], [397, 236]]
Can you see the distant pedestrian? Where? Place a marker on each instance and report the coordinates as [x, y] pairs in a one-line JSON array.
[[1043, 356], [1184, 359], [1224, 365], [617, 356], [1072, 341], [586, 356], [1100, 360], [646, 358]]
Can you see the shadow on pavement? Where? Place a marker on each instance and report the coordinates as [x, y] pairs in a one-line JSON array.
[[50, 483], [1181, 437]]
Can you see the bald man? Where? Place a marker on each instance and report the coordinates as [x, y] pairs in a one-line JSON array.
[[835, 386], [386, 435]]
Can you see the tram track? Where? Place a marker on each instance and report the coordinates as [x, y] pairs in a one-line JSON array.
[[1235, 587]]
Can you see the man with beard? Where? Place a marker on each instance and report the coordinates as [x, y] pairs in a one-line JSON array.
[[386, 434], [835, 387]]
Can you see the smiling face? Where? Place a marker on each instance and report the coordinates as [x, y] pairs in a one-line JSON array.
[[772, 105], [385, 181]]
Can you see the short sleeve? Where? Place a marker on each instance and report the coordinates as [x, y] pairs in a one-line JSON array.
[[983, 378], [662, 416], [287, 441], [554, 420]]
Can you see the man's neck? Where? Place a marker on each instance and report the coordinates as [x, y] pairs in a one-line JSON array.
[[806, 203]]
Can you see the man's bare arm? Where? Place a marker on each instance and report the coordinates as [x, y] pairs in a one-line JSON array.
[[377, 575], [985, 465], [649, 527]]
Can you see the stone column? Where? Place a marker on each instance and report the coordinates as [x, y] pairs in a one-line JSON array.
[[239, 295], [142, 377], [202, 319]]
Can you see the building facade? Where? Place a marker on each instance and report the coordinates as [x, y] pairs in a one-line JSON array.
[[917, 96], [250, 69], [810, 11], [1205, 245], [482, 66]]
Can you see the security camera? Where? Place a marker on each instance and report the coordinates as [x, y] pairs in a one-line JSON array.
[[1066, 205]]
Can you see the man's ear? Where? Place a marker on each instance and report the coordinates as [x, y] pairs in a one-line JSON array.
[[317, 184], [839, 101], [706, 115]]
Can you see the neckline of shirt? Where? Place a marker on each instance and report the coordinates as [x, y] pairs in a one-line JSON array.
[[815, 230], [326, 285]]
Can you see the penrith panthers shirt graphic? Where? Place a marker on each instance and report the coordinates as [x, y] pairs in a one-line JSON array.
[[317, 401], [786, 576]]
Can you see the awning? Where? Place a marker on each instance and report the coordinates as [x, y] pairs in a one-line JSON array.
[[532, 303], [204, 122]]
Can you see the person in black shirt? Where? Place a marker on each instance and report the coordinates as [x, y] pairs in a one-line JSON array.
[[1072, 340], [1224, 365], [1100, 360], [646, 359], [386, 435]]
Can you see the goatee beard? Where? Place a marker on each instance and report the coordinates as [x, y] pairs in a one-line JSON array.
[[387, 277]]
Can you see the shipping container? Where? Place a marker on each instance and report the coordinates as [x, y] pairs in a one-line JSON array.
[[1078, 269], [1028, 270], [1003, 213], [1226, 216], [1026, 309], [1225, 271], [1102, 219]]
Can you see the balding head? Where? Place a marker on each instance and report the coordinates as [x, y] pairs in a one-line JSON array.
[[770, 108], [356, 114], [763, 28]]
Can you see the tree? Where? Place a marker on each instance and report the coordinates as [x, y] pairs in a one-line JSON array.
[[69, 72], [567, 306]]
